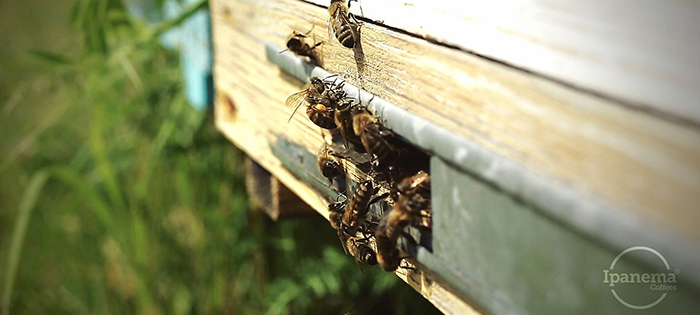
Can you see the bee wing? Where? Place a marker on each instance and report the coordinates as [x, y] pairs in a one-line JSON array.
[[343, 240], [357, 261], [331, 31], [343, 134], [319, 55], [295, 100]]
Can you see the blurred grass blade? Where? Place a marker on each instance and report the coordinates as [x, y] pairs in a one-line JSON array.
[[100, 209], [167, 25], [104, 167], [50, 57], [31, 194], [164, 133]]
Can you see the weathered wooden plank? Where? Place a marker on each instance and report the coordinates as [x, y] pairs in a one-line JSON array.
[[572, 209], [249, 112], [647, 165], [271, 196], [249, 127], [642, 52]]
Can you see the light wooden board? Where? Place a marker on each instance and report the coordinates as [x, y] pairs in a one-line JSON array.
[[648, 165], [644, 52]]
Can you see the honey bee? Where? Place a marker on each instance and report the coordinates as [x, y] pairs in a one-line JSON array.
[[334, 93], [342, 24], [335, 217], [335, 214], [417, 184], [404, 211], [358, 207], [376, 139], [329, 163], [388, 256], [344, 120], [361, 250], [413, 200], [296, 43], [320, 108]]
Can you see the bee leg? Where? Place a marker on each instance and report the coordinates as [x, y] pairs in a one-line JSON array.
[[309, 32], [378, 198], [332, 84], [331, 76], [364, 237], [358, 2], [373, 225], [371, 99], [316, 45], [359, 96], [341, 237]]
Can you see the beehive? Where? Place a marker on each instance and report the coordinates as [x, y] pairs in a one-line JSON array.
[[560, 134]]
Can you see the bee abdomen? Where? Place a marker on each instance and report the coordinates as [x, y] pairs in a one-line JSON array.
[[384, 152], [331, 169], [346, 36], [359, 206], [366, 255], [322, 119]]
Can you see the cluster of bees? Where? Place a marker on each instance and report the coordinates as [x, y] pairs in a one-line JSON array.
[[397, 175]]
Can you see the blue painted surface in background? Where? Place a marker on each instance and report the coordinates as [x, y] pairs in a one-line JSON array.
[[192, 39]]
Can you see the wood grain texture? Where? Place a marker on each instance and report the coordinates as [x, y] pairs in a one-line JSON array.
[[647, 165], [641, 51], [250, 111]]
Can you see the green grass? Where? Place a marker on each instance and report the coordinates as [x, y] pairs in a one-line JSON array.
[[117, 197]]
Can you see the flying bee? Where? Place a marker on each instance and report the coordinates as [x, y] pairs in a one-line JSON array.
[[342, 24], [376, 139], [320, 108], [329, 163], [296, 43]]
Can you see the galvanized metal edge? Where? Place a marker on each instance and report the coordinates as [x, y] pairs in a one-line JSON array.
[[595, 219]]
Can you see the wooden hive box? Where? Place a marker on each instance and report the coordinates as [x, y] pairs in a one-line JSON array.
[[560, 134]]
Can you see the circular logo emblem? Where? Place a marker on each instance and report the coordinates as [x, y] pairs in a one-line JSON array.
[[661, 282]]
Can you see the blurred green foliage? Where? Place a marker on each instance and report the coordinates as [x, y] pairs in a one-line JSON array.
[[116, 197]]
